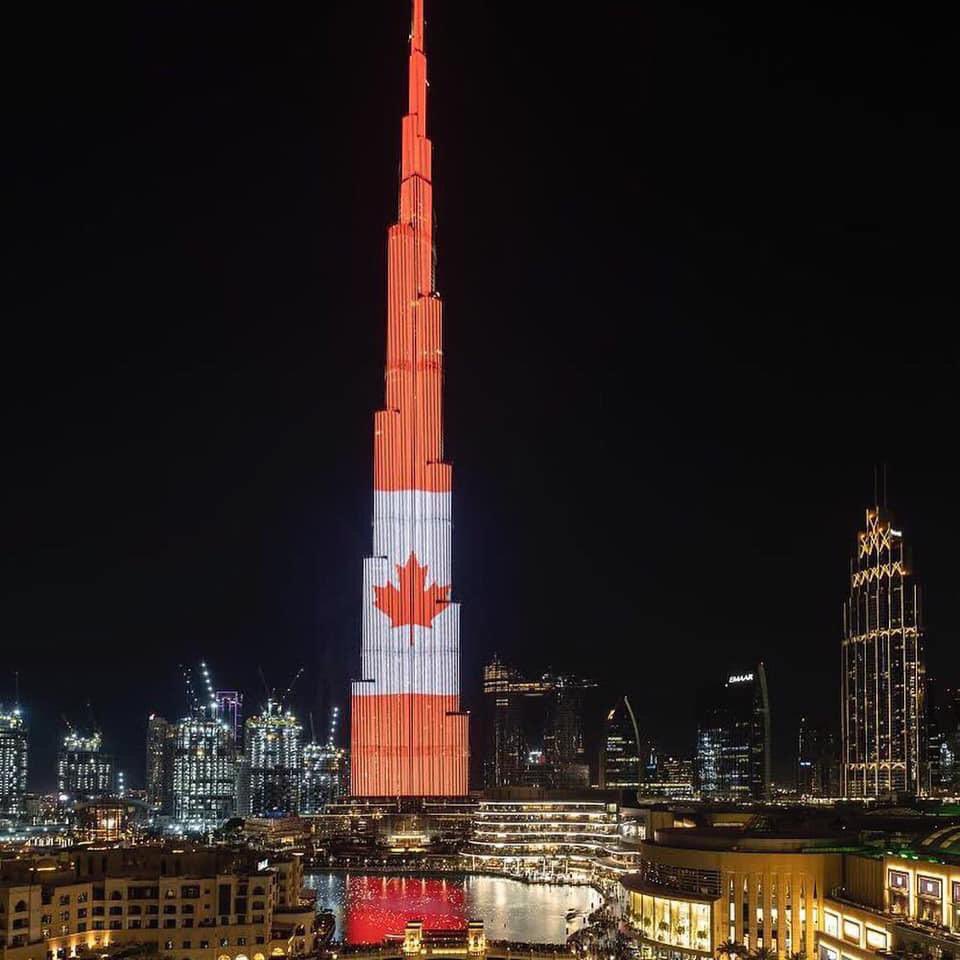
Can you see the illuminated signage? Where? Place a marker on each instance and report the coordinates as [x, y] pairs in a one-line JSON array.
[[851, 930], [741, 678], [898, 880], [929, 887]]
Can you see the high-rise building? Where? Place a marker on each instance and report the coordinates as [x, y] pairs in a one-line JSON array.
[[733, 737], [563, 745], [161, 739], [13, 762], [324, 776], [943, 739], [84, 771], [882, 682], [620, 765], [534, 729], [204, 770], [818, 769], [274, 755], [230, 710], [505, 752], [409, 736], [673, 778]]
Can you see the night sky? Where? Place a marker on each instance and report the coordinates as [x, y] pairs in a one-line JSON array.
[[699, 274]]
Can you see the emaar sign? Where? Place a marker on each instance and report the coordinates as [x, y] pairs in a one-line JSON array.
[[741, 678]]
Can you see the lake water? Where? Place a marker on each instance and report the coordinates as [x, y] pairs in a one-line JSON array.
[[369, 907]]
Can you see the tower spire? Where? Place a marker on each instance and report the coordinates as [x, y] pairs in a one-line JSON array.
[[416, 31], [416, 146]]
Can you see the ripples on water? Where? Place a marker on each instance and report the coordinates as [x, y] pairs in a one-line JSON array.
[[368, 908]]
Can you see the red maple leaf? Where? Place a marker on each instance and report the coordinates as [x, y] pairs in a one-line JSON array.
[[413, 603]]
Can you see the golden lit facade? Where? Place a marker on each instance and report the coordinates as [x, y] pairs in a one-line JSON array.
[[698, 889], [882, 667], [903, 902], [418, 942], [197, 905]]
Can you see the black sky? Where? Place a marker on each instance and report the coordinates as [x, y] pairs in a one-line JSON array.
[[699, 272]]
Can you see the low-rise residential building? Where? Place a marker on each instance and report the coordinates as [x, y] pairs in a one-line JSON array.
[[186, 904]]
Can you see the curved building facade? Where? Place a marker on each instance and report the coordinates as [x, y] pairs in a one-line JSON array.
[[700, 888]]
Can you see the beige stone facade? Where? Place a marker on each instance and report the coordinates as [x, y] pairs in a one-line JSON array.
[[697, 889], [187, 904]]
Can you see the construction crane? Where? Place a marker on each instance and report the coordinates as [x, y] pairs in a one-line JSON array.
[[289, 690], [334, 720], [208, 681], [193, 703], [94, 726]]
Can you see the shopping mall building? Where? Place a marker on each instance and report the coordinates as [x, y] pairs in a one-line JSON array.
[[831, 896]]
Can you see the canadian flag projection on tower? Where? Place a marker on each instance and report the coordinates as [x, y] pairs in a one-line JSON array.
[[408, 735]]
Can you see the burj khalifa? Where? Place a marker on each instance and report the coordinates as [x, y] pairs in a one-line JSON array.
[[409, 736]]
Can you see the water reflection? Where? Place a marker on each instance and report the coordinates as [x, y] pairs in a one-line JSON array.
[[370, 907]]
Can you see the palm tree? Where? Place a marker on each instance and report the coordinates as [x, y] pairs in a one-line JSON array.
[[798, 955], [762, 953], [730, 948]]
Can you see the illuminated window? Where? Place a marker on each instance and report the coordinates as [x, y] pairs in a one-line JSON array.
[[898, 880], [876, 939], [831, 923], [929, 887], [851, 930]]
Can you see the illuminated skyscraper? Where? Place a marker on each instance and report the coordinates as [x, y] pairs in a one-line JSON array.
[[325, 769], [408, 734], [883, 667], [818, 770], [13, 762], [733, 737], [204, 771], [274, 758], [324, 776], [84, 771], [620, 762], [533, 729]]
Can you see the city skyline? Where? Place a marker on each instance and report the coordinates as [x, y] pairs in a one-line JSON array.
[[188, 454]]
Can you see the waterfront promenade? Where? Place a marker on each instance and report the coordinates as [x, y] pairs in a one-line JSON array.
[[497, 949]]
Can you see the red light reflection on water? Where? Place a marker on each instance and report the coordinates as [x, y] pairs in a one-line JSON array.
[[379, 906]]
